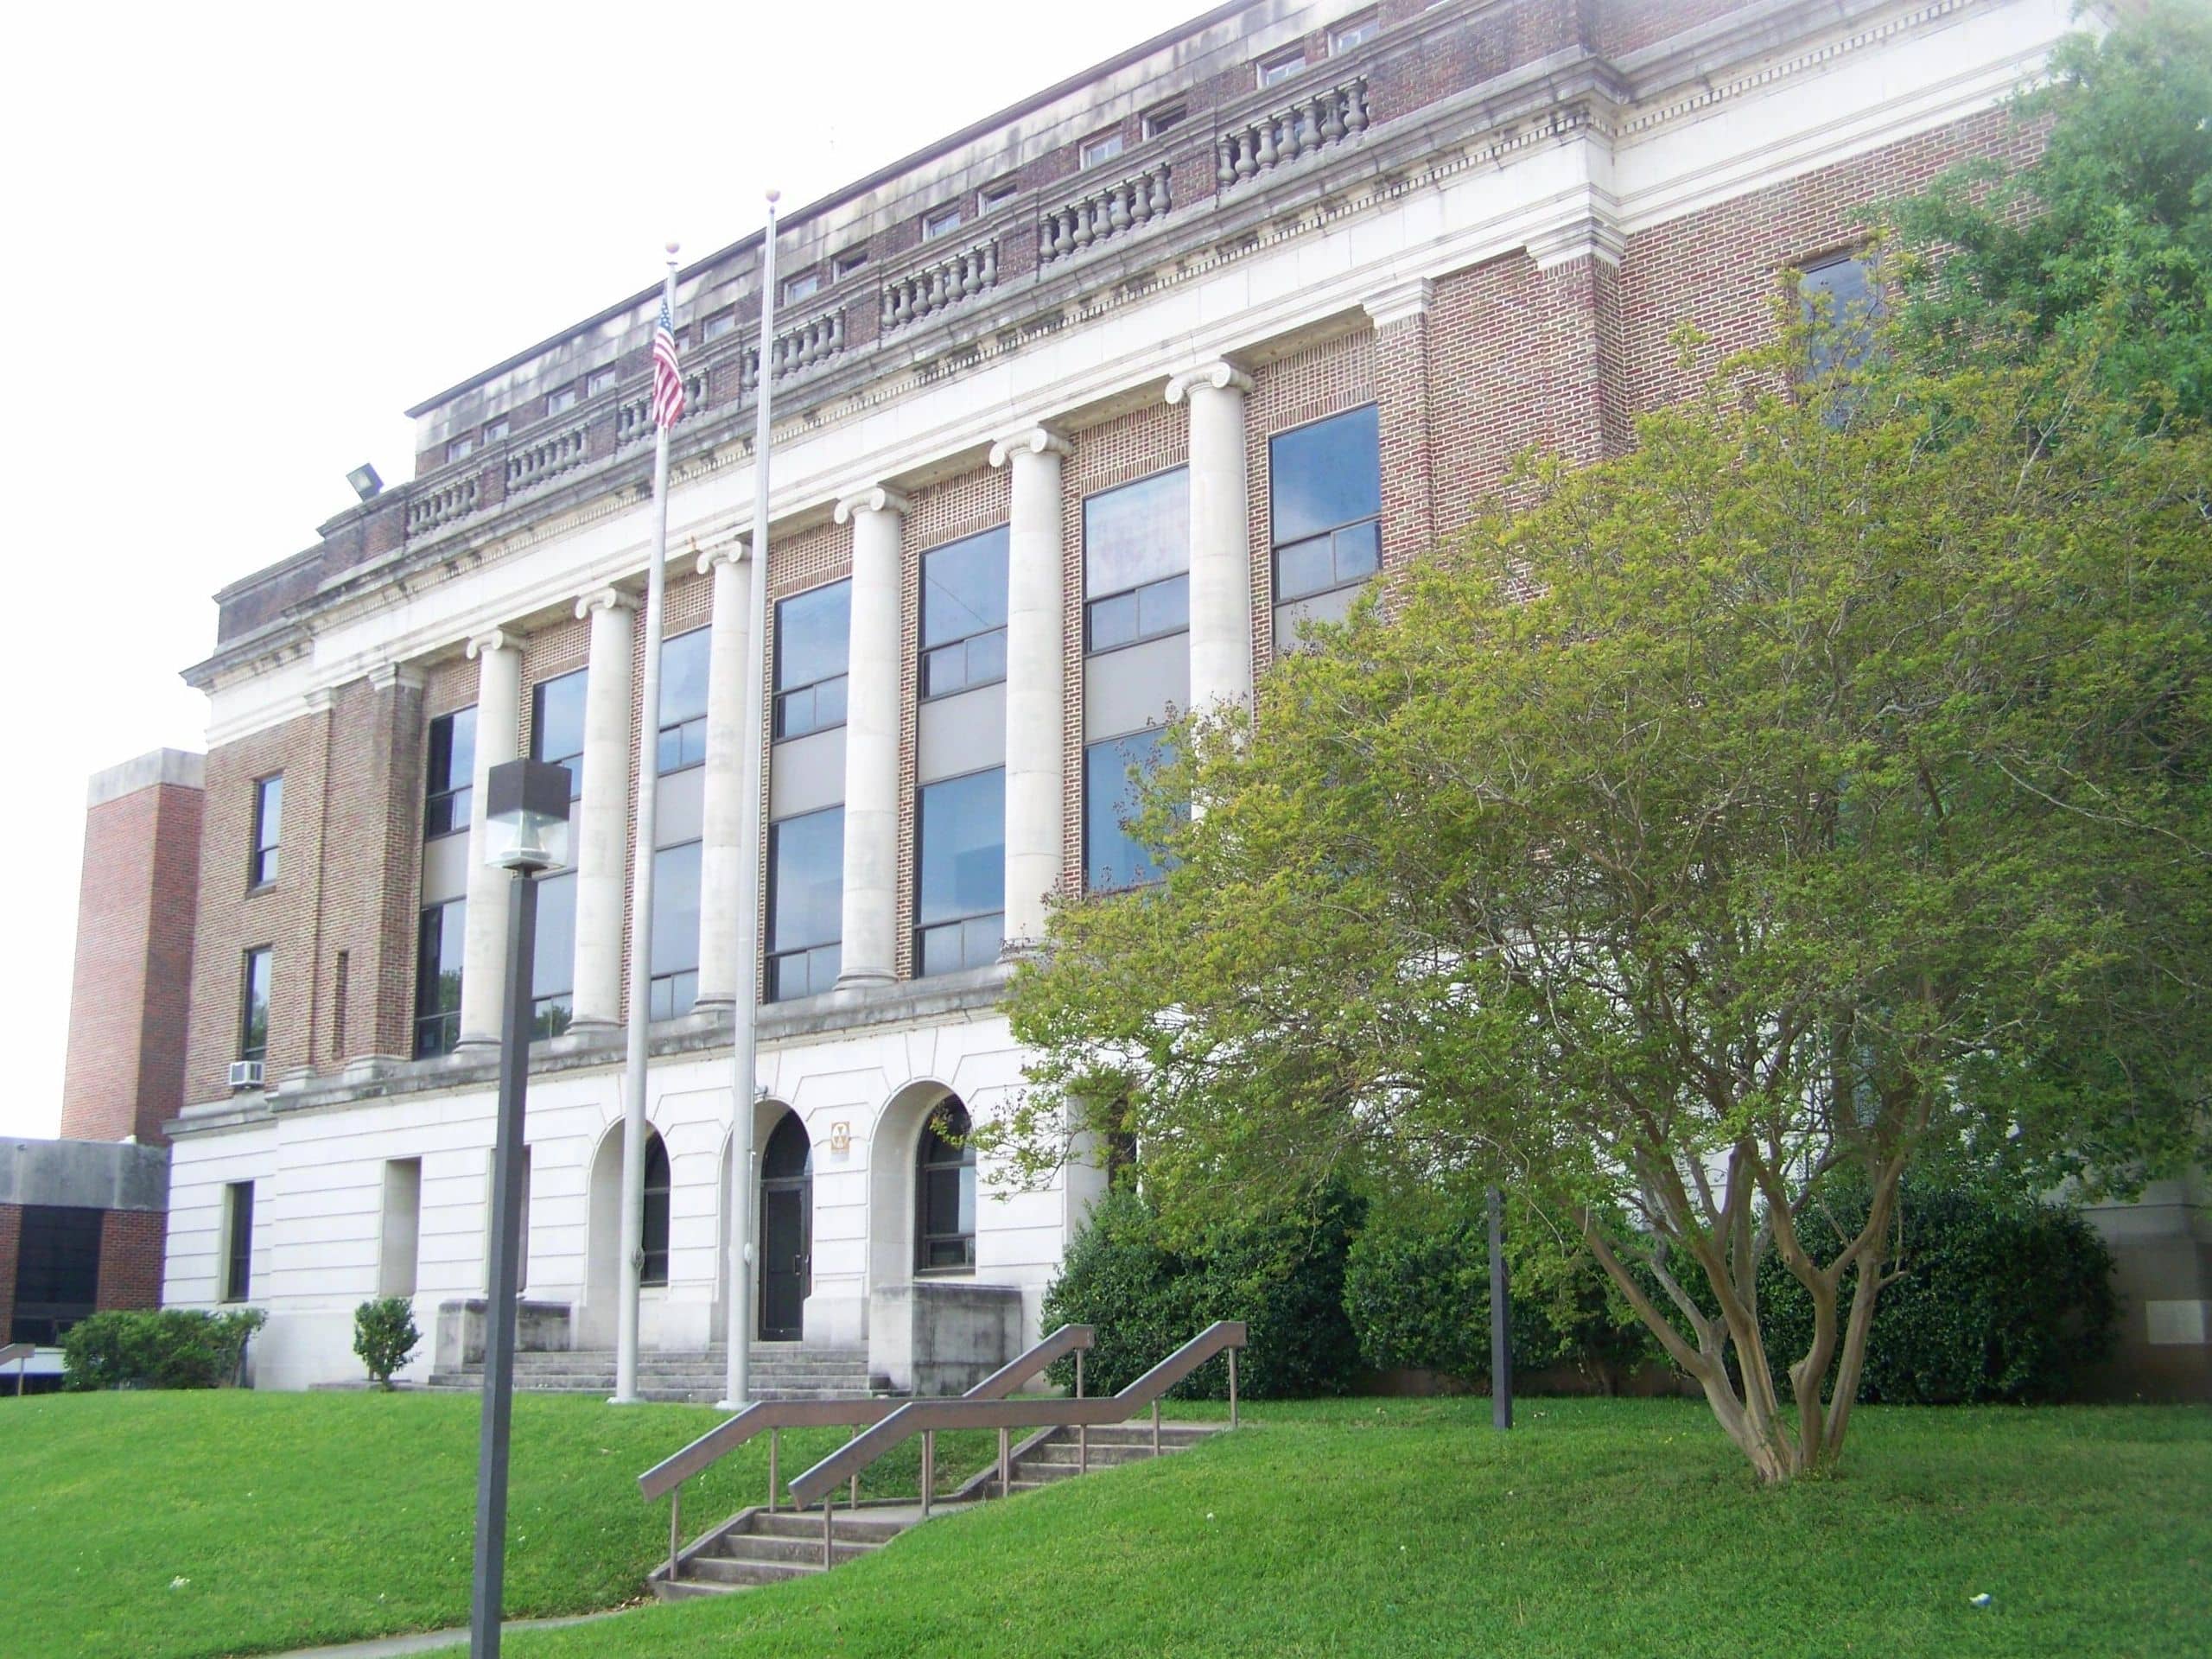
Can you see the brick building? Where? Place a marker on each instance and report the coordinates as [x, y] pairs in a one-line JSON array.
[[1080, 412]]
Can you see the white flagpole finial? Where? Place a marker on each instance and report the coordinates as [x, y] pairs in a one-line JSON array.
[[775, 196], [673, 249]]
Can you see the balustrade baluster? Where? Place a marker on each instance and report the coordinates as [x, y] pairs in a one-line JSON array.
[[1159, 199], [1356, 107]]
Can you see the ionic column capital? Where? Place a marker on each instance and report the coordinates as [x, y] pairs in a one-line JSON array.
[[1221, 375], [877, 498], [605, 599], [1399, 302], [737, 550], [490, 640], [1039, 440]]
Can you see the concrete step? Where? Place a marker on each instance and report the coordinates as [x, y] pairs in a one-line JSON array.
[[768, 1547], [720, 1572], [1101, 1457], [859, 1528]]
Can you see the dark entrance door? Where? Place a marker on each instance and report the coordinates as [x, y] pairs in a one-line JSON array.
[[786, 1230]]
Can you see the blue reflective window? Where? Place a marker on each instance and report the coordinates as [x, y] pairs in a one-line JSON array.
[[254, 1006], [1136, 559], [1324, 482], [437, 977], [812, 653], [1843, 305], [448, 789], [553, 964], [1113, 859], [959, 890], [676, 930], [268, 829], [964, 614], [807, 888], [556, 725], [683, 665]]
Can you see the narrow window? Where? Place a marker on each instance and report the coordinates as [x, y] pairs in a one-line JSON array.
[[812, 630], [1842, 305], [1282, 66], [238, 1241], [1325, 483], [448, 789], [400, 1246], [57, 1271], [556, 725], [685, 661], [964, 614], [1166, 118], [254, 1006], [806, 885], [437, 977], [1137, 561], [553, 965], [676, 930], [1113, 858], [941, 222], [655, 1244], [960, 879], [944, 1203], [268, 829], [600, 380], [561, 399], [1350, 33], [1104, 147], [802, 287], [847, 262], [340, 974]]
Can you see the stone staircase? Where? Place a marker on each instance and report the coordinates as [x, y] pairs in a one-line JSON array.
[[780, 1371], [756, 1547]]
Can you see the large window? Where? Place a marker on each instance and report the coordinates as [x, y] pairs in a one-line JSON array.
[[960, 893], [553, 966], [1843, 305], [806, 889], [253, 1005], [437, 977], [57, 1271], [811, 632], [448, 792], [1114, 859], [944, 1206], [238, 1241], [654, 1246], [683, 663], [964, 614], [1325, 483], [268, 829], [1137, 561], [556, 725], [676, 930]]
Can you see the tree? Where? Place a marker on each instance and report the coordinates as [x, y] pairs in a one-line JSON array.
[[1826, 783]]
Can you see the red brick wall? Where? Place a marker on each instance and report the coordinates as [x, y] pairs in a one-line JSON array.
[[132, 1243]]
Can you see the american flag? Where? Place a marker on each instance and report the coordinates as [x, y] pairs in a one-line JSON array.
[[668, 373]]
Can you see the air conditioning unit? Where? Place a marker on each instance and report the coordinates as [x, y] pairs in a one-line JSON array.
[[245, 1074]]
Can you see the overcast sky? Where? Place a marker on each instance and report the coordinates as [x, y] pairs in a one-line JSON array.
[[239, 241]]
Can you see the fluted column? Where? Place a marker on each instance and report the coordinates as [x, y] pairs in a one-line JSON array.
[[878, 517], [1221, 556], [603, 811], [1036, 685], [721, 868], [498, 723]]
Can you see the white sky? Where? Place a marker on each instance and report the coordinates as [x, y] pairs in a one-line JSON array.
[[236, 241]]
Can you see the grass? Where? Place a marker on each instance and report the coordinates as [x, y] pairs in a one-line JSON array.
[[1344, 1528]]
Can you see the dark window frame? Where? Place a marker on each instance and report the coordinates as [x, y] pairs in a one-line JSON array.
[[679, 999], [538, 725], [439, 1025], [265, 955], [1157, 734], [691, 727], [1137, 592], [822, 957], [924, 651], [922, 929], [1824, 361], [1276, 546], [262, 860], [57, 1272], [656, 1183], [782, 696], [552, 1012], [934, 1153], [447, 812], [237, 1241]]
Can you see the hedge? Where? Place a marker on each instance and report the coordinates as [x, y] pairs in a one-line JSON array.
[[158, 1348]]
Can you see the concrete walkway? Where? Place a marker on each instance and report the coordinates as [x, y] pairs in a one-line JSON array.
[[391, 1647]]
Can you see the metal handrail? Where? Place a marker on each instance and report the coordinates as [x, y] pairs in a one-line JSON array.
[[934, 1416], [20, 1352]]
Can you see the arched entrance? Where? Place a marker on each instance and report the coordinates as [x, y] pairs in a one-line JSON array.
[[786, 1230]]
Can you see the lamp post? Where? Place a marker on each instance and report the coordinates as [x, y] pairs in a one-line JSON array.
[[1501, 1319], [526, 833]]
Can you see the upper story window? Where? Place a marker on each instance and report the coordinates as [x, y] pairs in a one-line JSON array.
[[1136, 560], [806, 888], [722, 323], [1104, 147], [268, 829], [992, 197], [1166, 118], [1113, 858], [439, 944], [556, 725], [452, 771], [941, 221], [561, 399], [461, 447], [1842, 304], [494, 430], [1282, 66], [553, 964], [675, 978], [964, 614], [253, 1005], [812, 633], [847, 262], [960, 873], [1325, 483], [1351, 32], [802, 287], [684, 665], [600, 380]]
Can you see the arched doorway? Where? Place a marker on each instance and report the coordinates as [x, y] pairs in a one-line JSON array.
[[786, 1230]]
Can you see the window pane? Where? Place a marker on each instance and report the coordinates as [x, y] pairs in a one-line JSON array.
[[962, 829], [437, 977], [1111, 858], [556, 725], [553, 966], [1843, 306], [271, 818], [964, 588], [1359, 550], [1163, 608], [1110, 622], [1325, 475], [253, 1014], [811, 635], [987, 658], [806, 880], [1137, 534], [683, 676], [676, 909], [1304, 567], [830, 704]]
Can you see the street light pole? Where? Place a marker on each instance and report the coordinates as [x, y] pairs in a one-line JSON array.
[[1501, 1319]]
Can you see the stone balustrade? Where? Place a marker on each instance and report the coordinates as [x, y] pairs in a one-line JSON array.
[[1315, 122], [816, 341], [1101, 214], [429, 510], [923, 293], [533, 461], [633, 418]]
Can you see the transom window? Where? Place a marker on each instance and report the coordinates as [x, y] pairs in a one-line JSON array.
[[847, 262], [1104, 147], [1137, 561], [1324, 482], [654, 1244], [995, 196], [438, 952], [461, 447], [561, 399], [1346, 35], [944, 1206], [964, 614], [803, 287], [1166, 118], [685, 661], [553, 965], [1282, 66], [600, 380], [449, 790], [1113, 858], [941, 222], [721, 323], [253, 1005], [556, 725], [806, 888], [960, 887], [811, 632], [268, 829], [676, 930]]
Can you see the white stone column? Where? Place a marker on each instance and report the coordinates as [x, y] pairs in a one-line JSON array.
[[879, 518], [1036, 680], [603, 836], [721, 857], [1221, 554], [484, 948]]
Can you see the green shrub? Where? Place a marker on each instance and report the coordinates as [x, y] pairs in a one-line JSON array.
[[158, 1348], [384, 1336], [1997, 1298], [1283, 1276]]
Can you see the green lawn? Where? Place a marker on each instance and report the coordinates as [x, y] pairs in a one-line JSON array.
[[1393, 1528]]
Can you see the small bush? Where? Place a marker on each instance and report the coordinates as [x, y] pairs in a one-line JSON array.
[[1997, 1298], [158, 1348], [1284, 1277], [384, 1336]]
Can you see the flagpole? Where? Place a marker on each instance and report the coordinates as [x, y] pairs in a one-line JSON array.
[[641, 920], [745, 1045]]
